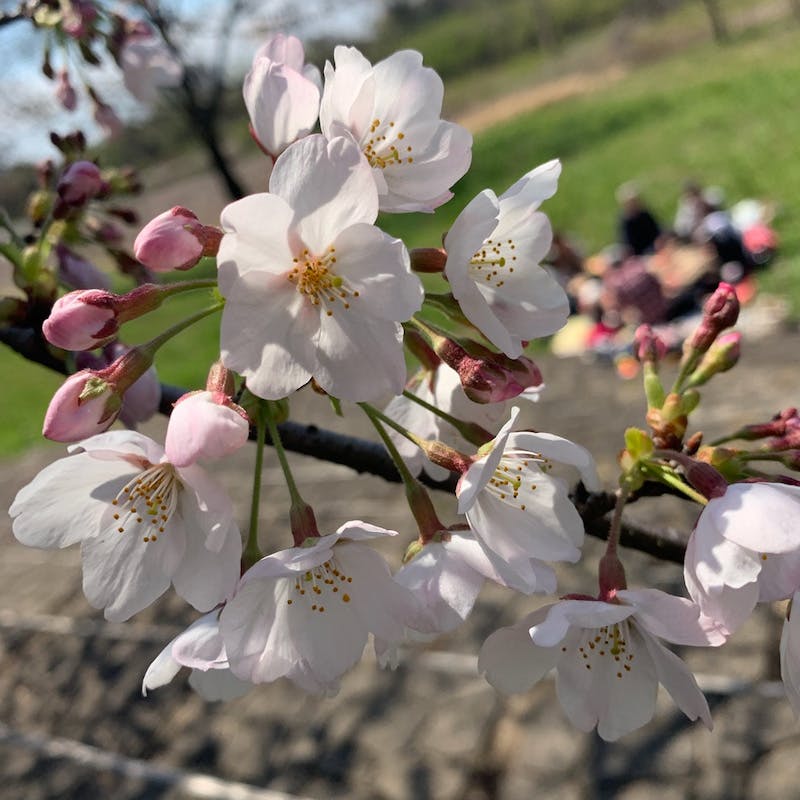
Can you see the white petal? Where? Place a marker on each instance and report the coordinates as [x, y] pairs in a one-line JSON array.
[[161, 671], [329, 186], [561, 450], [675, 619], [359, 357], [511, 662], [533, 188], [568, 614], [123, 574], [377, 266], [200, 646], [678, 680], [65, 502]]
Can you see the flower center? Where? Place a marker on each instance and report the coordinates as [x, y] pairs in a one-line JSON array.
[[605, 647], [494, 262], [147, 503], [314, 277], [385, 145], [326, 583], [514, 475]]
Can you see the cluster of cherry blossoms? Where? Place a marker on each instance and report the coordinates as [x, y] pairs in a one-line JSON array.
[[312, 292]]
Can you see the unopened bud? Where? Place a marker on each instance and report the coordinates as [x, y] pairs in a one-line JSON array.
[[488, 377], [83, 320], [648, 345], [721, 356], [65, 91], [175, 239], [85, 404], [428, 259], [205, 425], [720, 311], [80, 183]]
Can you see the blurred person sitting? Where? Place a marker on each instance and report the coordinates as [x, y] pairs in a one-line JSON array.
[[690, 212], [638, 228], [631, 291], [718, 230]]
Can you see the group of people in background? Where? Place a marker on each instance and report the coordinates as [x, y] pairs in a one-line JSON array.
[[655, 273]]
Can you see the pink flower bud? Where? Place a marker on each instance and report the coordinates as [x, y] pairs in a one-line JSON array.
[[65, 92], [720, 311], [81, 320], [175, 240], [648, 345], [486, 376], [85, 404], [80, 183], [204, 425], [142, 398]]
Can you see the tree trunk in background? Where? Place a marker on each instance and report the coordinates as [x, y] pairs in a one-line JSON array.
[[795, 6], [545, 28], [718, 27]]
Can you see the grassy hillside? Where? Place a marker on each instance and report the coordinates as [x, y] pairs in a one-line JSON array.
[[720, 115]]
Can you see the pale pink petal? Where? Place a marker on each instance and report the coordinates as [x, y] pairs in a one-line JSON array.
[[66, 501], [576, 613], [328, 185], [561, 450], [672, 618], [377, 266], [678, 680], [124, 574], [201, 428], [511, 662]]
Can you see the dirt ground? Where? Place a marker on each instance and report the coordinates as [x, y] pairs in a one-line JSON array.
[[433, 728]]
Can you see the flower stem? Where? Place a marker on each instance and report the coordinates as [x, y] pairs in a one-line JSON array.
[[616, 521], [665, 475], [373, 412], [153, 345], [280, 451], [170, 289], [473, 433], [419, 500], [252, 553]]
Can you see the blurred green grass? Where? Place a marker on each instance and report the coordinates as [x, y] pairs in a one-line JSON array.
[[725, 116]]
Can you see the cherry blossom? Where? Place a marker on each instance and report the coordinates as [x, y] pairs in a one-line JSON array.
[[201, 649], [281, 93], [745, 549], [305, 613], [142, 523], [493, 252], [393, 111], [607, 656], [313, 288], [147, 66], [518, 511]]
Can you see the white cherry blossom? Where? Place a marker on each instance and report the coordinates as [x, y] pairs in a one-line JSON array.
[[519, 512], [305, 613], [607, 656], [745, 549], [282, 93], [494, 250], [142, 524], [313, 288], [201, 649], [393, 110], [147, 66]]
